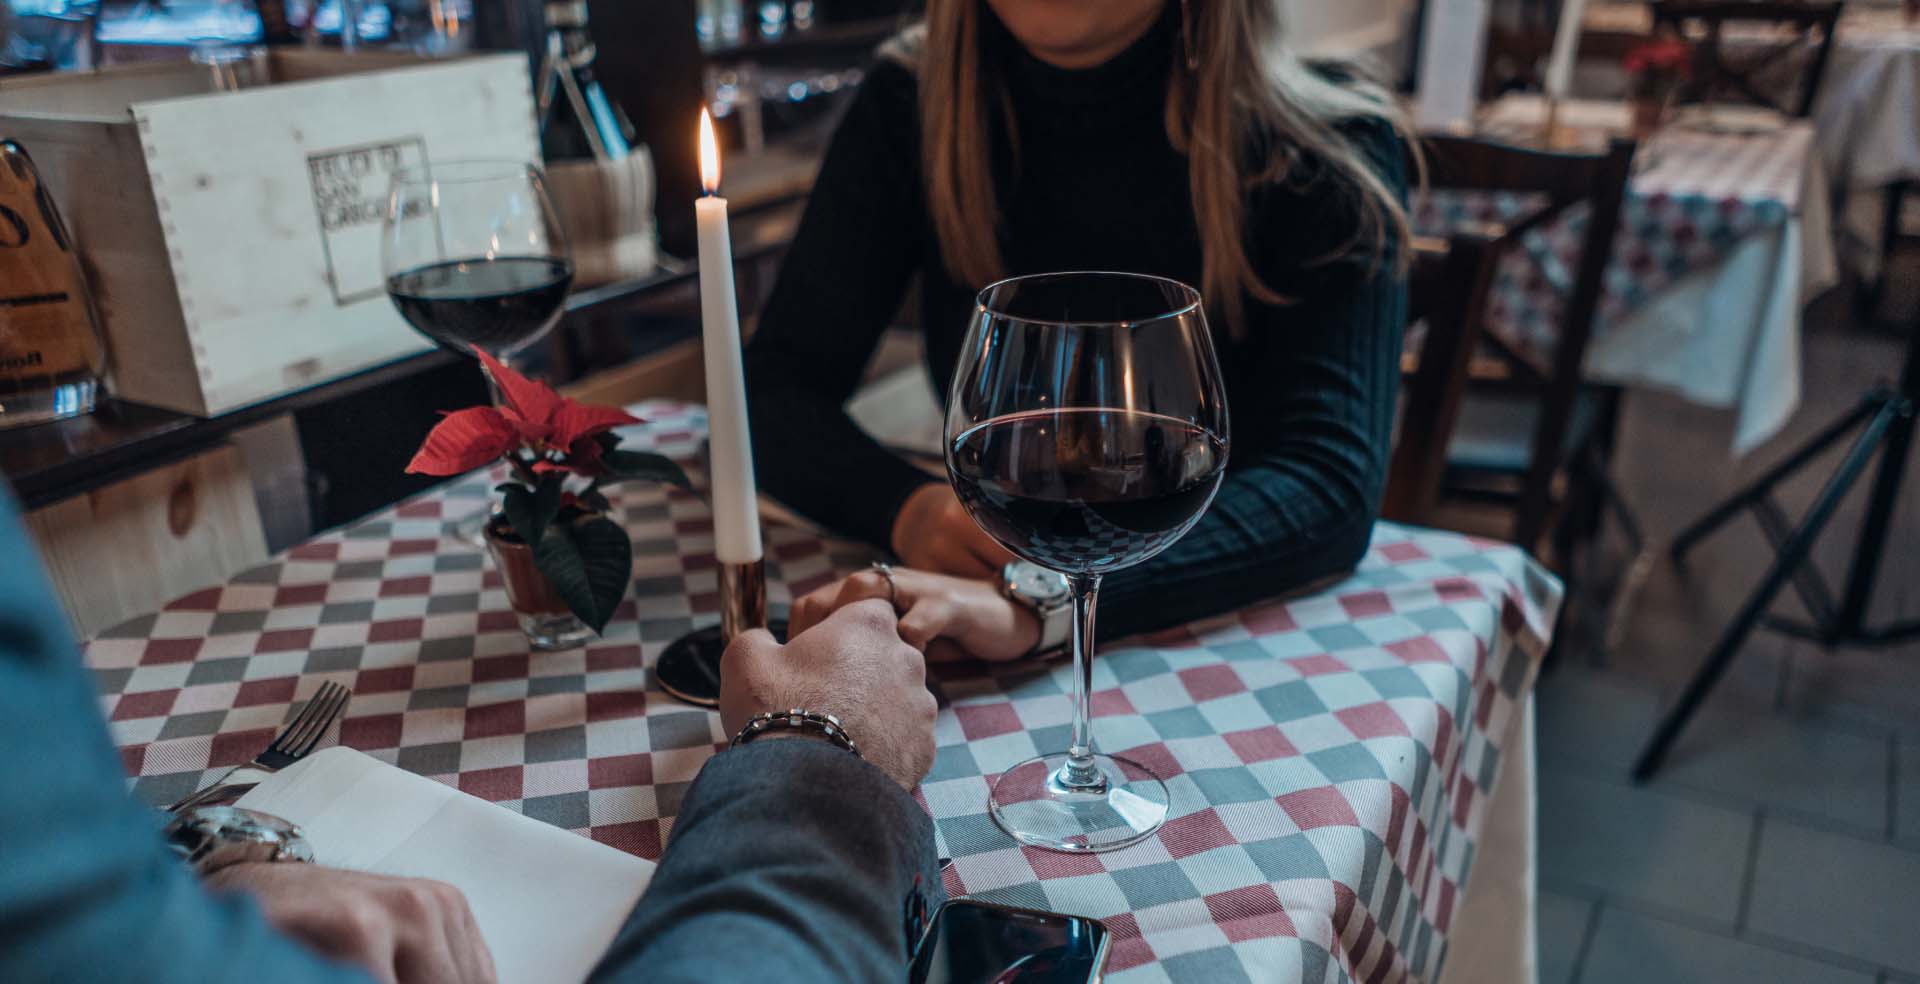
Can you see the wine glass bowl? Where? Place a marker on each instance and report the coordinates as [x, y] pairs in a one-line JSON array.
[[1086, 432], [474, 255]]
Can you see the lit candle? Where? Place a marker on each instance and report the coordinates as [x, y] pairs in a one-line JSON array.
[[736, 511], [1566, 46]]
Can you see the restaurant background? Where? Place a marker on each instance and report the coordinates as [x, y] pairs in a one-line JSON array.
[[260, 391]]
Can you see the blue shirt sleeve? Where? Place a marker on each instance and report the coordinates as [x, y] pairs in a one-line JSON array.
[[87, 890]]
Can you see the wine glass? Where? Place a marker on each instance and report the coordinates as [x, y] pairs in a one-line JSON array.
[[474, 255], [1086, 432], [474, 258]]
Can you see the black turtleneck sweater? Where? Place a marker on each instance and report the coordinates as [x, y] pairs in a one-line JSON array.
[[1096, 186]]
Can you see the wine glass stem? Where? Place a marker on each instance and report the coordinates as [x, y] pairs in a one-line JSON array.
[[1081, 770]]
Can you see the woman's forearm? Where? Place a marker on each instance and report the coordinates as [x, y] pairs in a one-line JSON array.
[[814, 459]]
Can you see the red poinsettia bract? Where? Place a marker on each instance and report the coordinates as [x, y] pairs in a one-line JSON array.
[[534, 425]]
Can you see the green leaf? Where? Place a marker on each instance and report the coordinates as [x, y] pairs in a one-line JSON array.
[[632, 465], [596, 500], [531, 511], [517, 503], [589, 563]]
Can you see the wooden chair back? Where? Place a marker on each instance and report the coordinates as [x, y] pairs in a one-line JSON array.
[[1564, 179], [1717, 74], [1447, 289]]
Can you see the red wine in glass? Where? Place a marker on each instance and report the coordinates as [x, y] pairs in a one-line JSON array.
[[493, 305], [1086, 490]]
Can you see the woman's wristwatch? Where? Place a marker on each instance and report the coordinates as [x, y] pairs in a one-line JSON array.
[[209, 838], [1044, 593]]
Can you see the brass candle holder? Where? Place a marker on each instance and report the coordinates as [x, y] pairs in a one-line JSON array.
[[689, 669]]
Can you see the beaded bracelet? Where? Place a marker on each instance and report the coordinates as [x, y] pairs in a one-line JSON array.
[[795, 719]]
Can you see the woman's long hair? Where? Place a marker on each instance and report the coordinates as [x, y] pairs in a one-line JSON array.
[[1250, 113]]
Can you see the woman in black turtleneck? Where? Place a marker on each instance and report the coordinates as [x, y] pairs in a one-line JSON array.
[[1010, 137]]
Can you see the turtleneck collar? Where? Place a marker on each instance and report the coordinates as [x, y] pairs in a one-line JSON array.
[[1142, 67]]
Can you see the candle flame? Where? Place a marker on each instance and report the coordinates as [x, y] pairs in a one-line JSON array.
[[709, 154]]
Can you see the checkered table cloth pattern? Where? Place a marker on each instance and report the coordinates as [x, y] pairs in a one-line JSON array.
[[1695, 197], [1329, 757]]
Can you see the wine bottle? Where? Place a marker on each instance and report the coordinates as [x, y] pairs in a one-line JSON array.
[[51, 353]]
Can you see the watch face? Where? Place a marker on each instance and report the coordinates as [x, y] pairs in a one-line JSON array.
[[1037, 583]]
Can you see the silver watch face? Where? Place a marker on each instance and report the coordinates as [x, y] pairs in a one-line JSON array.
[[212, 837], [1039, 586]]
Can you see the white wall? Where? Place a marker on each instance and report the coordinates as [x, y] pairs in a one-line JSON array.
[[1346, 26]]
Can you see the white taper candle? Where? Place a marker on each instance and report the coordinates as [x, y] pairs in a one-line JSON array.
[[736, 509]]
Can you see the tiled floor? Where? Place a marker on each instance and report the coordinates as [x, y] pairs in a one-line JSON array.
[[1782, 841]]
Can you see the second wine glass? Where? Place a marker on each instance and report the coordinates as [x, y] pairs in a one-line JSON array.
[[1086, 432], [474, 258]]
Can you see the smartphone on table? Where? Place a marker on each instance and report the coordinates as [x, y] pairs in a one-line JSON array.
[[973, 942]]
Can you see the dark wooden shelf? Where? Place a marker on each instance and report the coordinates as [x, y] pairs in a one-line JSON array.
[[867, 32], [45, 463]]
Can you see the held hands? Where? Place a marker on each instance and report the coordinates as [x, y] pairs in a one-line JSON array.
[[945, 617], [934, 533], [400, 930], [851, 664]]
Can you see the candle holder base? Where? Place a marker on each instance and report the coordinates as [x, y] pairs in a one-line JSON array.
[[689, 669]]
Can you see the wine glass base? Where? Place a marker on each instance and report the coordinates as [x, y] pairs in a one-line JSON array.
[[1035, 807]]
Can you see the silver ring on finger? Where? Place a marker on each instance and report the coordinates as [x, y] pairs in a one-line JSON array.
[[885, 571]]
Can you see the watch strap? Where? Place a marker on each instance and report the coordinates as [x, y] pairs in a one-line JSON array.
[[1055, 614], [1056, 630]]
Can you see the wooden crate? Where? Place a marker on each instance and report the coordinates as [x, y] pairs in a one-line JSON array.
[[232, 239]]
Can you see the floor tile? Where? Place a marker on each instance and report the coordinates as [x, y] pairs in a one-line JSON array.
[[1593, 721], [1906, 791], [1563, 922], [1642, 949], [1830, 774], [1844, 894], [1871, 688], [1659, 850]]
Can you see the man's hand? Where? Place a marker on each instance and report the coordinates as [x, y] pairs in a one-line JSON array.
[[934, 533], [945, 617], [852, 665], [401, 930]]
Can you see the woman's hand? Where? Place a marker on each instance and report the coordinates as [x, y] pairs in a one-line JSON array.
[[943, 616], [934, 533]]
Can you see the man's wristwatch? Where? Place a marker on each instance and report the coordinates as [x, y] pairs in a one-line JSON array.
[[1046, 595], [209, 838]]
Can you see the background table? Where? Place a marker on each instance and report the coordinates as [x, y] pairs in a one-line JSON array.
[[1723, 237], [1330, 758], [1867, 115]]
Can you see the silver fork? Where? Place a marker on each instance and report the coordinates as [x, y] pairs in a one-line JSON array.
[[293, 743]]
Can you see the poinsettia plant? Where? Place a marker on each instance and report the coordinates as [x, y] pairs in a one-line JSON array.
[[1658, 66], [561, 454]]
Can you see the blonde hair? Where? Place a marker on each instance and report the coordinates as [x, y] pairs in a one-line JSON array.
[[1251, 113]]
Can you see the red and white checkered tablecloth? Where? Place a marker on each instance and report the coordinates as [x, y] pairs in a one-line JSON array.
[[1329, 757], [1695, 196]]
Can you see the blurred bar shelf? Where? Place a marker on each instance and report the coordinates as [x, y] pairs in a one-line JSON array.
[[866, 32], [50, 462]]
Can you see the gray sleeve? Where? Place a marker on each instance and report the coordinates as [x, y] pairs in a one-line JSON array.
[[791, 860], [87, 890]]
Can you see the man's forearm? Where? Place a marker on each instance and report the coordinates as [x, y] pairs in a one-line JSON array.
[[790, 860]]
